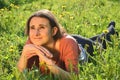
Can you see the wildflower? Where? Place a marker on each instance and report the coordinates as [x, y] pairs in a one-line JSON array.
[[117, 44], [2, 9], [71, 17], [8, 41], [11, 50], [42, 63], [63, 7], [105, 31], [11, 47], [61, 15], [12, 5]]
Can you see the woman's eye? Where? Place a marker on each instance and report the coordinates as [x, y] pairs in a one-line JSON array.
[[32, 27], [42, 27]]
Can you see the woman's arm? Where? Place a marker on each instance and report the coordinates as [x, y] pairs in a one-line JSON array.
[[28, 52], [31, 50], [22, 63], [59, 72]]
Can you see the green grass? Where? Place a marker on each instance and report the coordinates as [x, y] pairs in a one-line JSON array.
[[83, 17]]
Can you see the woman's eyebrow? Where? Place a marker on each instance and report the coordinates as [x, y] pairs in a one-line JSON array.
[[43, 25], [31, 25]]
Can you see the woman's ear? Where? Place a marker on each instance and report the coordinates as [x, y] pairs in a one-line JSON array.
[[54, 31]]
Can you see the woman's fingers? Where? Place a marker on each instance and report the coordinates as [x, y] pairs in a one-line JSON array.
[[48, 53], [44, 59], [30, 54], [32, 50], [45, 51], [29, 48]]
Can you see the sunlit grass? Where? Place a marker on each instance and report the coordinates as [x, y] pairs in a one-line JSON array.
[[86, 18]]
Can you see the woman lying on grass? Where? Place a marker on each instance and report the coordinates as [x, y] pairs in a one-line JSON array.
[[52, 50], [47, 45]]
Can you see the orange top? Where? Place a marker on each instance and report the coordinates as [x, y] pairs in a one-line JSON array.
[[67, 57]]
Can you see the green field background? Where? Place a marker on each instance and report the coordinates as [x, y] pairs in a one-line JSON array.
[[83, 17]]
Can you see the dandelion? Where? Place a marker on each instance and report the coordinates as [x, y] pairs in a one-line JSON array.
[[42, 63], [11, 50], [117, 44], [61, 15], [63, 7], [105, 31], [12, 5], [71, 17], [7, 41], [11, 47], [2, 9]]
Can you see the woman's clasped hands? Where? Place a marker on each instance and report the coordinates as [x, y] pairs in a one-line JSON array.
[[44, 55]]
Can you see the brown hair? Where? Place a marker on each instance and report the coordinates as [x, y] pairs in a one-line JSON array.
[[48, 15]]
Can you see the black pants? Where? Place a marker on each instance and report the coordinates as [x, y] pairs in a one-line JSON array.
[[100, 38]]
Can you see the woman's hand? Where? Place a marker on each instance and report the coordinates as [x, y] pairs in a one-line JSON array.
[[30, 50]]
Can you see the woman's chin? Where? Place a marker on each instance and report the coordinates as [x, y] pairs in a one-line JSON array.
[[37, 44]]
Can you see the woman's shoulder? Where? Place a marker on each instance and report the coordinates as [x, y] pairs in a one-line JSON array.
[[67, 41], [68, 45], [67, 38]]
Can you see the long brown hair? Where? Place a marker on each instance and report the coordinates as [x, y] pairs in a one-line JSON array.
[[48, 15]]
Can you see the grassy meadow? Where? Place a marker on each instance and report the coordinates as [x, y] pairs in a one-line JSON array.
[[83, 17]]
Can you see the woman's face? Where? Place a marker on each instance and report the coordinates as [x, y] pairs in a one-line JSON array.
[[40, 31]]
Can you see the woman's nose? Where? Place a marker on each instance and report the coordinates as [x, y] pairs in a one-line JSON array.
[[37, 33]]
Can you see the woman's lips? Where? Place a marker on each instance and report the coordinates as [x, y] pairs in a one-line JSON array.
[[37, 38]]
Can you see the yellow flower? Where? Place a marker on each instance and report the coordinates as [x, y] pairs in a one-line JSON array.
[[105, 31], [8, 41], [42, 63], [11, 47], [61, 16], [2, 9], [63, 7], [116, 44], [11, 50], [71, 17], [12, 5]]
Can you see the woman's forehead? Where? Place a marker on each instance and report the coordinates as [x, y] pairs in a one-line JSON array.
[[39, 20]]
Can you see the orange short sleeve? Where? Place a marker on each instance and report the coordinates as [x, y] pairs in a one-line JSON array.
[[70, 51]]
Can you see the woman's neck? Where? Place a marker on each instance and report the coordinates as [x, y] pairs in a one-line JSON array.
[[53, 46]]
